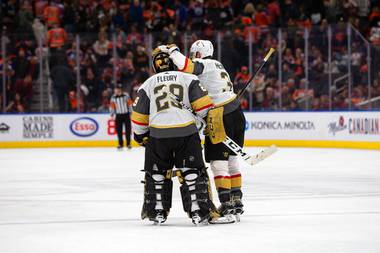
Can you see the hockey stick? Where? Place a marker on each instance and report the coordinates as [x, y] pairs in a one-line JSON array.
[[231, 144], [268, 55]]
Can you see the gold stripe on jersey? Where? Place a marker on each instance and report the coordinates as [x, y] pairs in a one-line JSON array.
[[174, 126], [236, 181], [139, 118], [189, 66], [222, 182], [226, 102], [201, 103]]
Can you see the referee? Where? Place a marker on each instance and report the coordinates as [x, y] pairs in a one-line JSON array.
[[121, 106]]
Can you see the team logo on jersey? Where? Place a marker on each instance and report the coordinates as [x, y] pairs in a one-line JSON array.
[[84, 127], [335, 127]]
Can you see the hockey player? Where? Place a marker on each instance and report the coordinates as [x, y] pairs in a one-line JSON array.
[[171, 138], [216, 80]]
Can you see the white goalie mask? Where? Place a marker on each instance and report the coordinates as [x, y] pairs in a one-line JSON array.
[[201, 49]]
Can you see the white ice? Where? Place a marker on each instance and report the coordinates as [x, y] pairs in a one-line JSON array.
[[89, 200]]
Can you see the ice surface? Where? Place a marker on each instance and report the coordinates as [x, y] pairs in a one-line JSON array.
[[89, 200]]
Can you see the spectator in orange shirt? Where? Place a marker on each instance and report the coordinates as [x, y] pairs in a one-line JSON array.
[[301, 94], [261, 17], [241, 78], [56, 37], [357, 96], [52, 14], [73, 102], [274, 12], [375, 14]]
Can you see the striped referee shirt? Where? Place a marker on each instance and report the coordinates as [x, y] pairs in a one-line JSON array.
[[121, 104]]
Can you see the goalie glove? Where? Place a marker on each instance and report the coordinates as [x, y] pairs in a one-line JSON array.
[[169, 49], [141, 139]]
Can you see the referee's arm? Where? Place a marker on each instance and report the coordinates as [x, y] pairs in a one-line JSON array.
[[112, 107], [129, 103]]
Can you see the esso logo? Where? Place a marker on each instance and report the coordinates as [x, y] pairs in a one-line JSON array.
[[84, 127]]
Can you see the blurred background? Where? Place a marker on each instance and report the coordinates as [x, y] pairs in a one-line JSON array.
[[66, 56]]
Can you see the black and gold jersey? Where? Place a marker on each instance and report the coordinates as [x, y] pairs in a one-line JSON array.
[[156, 111]]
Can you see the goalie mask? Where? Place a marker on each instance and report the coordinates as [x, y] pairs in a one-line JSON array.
[[201, 49], [161, 61]]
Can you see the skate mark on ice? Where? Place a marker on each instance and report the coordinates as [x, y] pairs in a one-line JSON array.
[[68, 221], [314, 214]]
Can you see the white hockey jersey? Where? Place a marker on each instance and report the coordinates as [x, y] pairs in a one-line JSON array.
[[155, 111], [213, 77]]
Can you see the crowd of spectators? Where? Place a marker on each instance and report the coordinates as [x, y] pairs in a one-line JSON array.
[[115, 39]]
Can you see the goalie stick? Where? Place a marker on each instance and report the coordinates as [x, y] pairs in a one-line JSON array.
[[231, 144]]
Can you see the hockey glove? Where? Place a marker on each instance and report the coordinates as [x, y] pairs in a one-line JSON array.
[[141, 139], [169, 49], [215, 125]]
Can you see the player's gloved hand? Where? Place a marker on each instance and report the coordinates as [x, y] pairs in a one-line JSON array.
[[141, 139], [169, 49], [206, 132]]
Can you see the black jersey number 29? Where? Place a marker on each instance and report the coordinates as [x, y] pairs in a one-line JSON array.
[[162, 101]]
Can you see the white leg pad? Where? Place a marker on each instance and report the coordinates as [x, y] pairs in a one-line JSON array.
[[190, 181], [158, 178]]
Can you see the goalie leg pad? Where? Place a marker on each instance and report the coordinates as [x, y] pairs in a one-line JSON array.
[[195, 193], [157, 194]]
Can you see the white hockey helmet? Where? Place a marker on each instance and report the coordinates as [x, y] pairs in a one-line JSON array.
[[204, 48]]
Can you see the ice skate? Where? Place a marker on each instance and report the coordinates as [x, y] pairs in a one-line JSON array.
[[159, 218]]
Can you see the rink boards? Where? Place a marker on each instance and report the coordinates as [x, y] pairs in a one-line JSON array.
[[287, 129]]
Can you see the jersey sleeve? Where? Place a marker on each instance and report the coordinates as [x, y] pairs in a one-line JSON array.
[[140, 113], [129, 102], [185, 64], [112, 105], [199, 98]]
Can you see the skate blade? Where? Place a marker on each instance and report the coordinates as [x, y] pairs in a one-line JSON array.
[[238, 214], [227, 219], [198, 221], [158, 222]]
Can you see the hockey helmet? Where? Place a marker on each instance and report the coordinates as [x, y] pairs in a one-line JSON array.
[[201, 49], [162, 61]]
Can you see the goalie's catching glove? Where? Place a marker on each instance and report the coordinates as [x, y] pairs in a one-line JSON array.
[[169, 49], [141, 139]]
